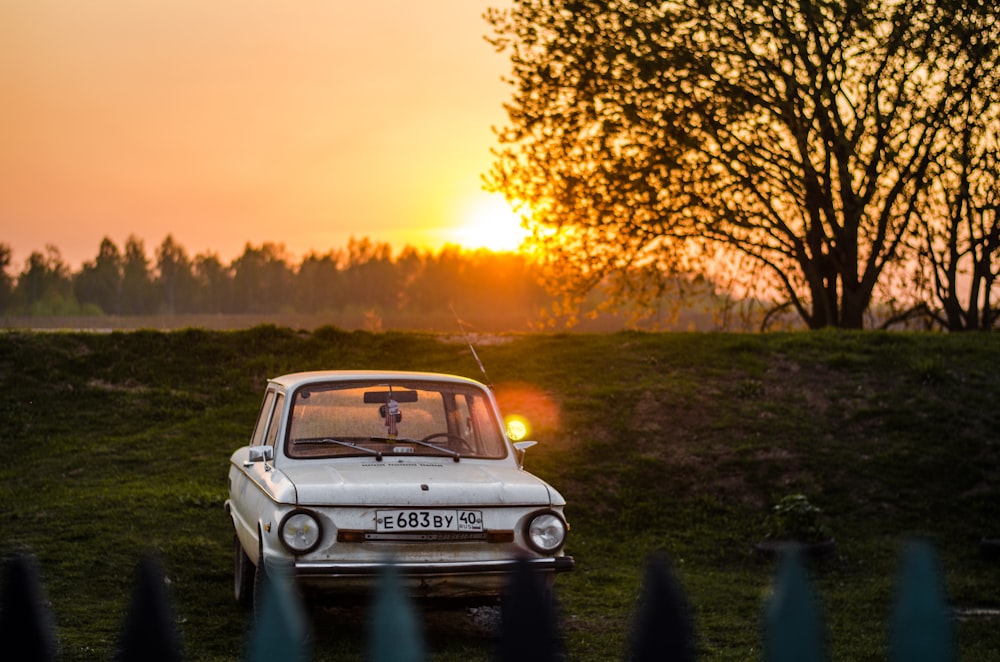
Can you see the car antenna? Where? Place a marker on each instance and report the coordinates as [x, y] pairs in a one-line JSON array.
[[471, 348]]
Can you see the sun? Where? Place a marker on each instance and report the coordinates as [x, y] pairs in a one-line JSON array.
[[489, 221]]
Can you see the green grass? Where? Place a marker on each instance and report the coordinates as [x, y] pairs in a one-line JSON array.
[[117, 444]]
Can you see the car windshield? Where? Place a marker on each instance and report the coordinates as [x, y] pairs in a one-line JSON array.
[[448, 420]]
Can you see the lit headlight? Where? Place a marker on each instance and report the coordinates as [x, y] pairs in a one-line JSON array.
[[300, 531], [546, 532]]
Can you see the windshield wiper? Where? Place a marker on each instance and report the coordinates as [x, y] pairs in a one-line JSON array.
[[406, 440], [377, 454]]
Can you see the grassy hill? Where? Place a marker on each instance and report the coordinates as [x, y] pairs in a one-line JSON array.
[[115, 444]]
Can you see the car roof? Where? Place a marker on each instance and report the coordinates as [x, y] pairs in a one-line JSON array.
[[296, 379]]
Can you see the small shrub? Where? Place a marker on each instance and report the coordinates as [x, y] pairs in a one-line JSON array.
[[794, 518]]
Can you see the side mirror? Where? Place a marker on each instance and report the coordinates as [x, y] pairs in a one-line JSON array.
[[260, 454], [521, 447]]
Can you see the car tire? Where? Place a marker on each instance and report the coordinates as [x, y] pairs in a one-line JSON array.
[[244, 575]]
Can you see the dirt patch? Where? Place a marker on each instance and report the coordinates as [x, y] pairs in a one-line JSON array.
[[476, 340], [128, 385]]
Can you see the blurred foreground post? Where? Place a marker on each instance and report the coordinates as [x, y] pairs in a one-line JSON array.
[[921, 626], [26, 629], [280, 631], [664, 628], [528, 631], [393, 632], [793, 625], [149, 633]]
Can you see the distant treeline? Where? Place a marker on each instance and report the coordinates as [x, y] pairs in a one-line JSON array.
[[128, 281]]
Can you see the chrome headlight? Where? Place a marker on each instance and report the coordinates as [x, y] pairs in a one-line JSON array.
[[546, 532], [300, 531]]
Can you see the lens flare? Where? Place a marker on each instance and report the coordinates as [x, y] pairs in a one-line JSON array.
[[517, 428], [529, 406]]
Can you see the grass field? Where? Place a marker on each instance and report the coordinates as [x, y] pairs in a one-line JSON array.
[[116, 444]]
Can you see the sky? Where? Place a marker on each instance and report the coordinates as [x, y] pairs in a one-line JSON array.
[[227, 122]]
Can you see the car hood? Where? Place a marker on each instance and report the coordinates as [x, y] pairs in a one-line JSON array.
[[417, 484]]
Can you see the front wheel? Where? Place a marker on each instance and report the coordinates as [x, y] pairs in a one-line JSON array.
[[244, 575]]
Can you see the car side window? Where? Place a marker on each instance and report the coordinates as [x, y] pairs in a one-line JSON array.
[[262, 418], [480, 425], [272, 429]]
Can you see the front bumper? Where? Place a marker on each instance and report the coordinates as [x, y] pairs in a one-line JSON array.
[[306, 569], [477, 581]]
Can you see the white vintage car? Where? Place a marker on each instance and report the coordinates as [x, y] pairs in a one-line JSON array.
[[349, 470]]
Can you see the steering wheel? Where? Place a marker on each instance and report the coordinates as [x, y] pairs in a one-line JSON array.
[[446, 436]]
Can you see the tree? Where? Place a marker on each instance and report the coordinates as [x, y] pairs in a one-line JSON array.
[[961, 246], [318, 285], [100, 281], [262, 279], [138, 295], [959, 242], [478, 282], [790, 139], [6, 280], [433, 281], [174, 278], [369, 275], [214, 284], [45, 286]]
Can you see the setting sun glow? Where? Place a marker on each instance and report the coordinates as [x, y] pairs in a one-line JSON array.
[[226, 124], [489, 221]]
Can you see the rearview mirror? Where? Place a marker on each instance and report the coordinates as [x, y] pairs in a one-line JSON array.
[[382, 397], [261, 454]]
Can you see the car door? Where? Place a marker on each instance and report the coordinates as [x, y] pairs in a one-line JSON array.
[[256, 484]]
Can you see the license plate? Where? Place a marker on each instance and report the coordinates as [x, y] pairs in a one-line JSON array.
[[428, 520]]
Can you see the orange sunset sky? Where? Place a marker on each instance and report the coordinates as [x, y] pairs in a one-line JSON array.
[[224, 122]]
